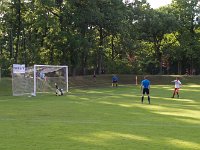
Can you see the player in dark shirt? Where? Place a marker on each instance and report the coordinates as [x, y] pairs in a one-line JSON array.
[[114, 81]]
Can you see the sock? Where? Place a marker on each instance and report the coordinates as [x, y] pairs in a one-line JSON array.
[[142, 99], [149, 99]]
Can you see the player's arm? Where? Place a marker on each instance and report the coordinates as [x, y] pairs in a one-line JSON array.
[[141, 87], [180, 83]]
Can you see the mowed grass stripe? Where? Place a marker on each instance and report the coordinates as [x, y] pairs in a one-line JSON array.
[[42, 120]]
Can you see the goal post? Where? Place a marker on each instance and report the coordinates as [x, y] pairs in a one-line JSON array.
[[40, 79]]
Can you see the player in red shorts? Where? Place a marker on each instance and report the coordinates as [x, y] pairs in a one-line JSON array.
[[177, 85]]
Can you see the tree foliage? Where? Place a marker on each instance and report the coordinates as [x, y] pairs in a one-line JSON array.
[[106, 36]]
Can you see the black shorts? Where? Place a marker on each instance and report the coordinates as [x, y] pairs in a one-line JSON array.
[[145, 90], [114, 82]]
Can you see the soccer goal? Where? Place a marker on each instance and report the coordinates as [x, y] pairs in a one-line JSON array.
[[39, 79]]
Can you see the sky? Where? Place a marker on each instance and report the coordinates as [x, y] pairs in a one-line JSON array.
[[158, 3]]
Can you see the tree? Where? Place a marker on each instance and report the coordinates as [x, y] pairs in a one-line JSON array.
[[187, 12], [153, 27]]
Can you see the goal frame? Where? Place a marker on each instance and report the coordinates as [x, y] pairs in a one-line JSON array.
[[35, 78], [35, 67]]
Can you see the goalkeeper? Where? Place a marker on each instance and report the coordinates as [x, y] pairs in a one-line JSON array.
[[59, 91]]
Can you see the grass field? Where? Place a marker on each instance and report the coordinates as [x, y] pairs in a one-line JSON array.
[[103, 118]]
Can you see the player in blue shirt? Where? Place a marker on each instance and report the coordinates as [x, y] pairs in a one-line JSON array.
[[145, 87], [114, 81]]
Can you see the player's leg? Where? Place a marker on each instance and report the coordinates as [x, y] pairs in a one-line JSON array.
[[142, 99], [177, 92], [143, 92], [148, 95], [57, 92], [174, 93], [113, 83]]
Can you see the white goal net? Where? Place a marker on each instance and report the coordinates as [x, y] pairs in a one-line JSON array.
[[39, 79]]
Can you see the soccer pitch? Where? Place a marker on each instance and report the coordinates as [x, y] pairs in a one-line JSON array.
[[102, 119]]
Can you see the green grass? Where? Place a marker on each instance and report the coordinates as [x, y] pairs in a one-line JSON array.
[[101, 119]]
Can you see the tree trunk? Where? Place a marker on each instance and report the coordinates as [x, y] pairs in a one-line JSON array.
[[24, 48], [100, 51], [51, 55], [18, 9], [179, 68], [11, 43], [159, 58], [112, 47], [84, 61]]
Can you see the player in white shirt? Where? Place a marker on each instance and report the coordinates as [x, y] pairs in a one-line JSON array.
[[177, 87]]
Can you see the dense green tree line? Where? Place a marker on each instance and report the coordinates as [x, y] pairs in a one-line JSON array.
[[108, 36]]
